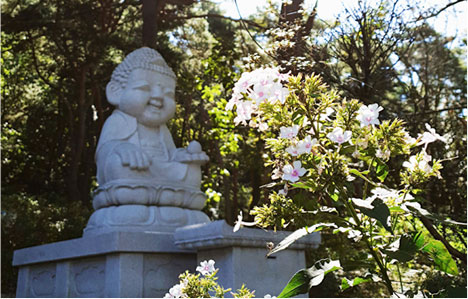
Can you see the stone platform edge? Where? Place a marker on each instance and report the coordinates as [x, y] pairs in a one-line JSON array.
[[219, 234], [149, 242]]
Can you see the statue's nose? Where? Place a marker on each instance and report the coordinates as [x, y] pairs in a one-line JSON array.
[[157, 93]]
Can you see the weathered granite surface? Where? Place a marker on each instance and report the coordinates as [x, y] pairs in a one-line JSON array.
[[116, 264]]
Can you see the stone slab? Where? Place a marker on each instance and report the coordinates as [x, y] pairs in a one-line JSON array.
[[98, 245], [219, 234], [116, 265]]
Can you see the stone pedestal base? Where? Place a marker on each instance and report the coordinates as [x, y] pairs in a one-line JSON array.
[[141, 218], [117, 264], [241, 256]]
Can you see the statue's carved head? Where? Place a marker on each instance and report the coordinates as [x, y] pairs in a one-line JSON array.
[[143, 86]]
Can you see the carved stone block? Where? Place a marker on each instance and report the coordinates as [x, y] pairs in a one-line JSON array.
[[116, 264], [241, 256]]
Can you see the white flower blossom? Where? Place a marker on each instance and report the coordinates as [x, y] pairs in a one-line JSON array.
[[356, 154], [262, 126], [302, 147], [206, 267], [276, 174], [305, 146], [364, 203], [429, 136], [175, 292], [284, 191], [293, 172], [414, 163], [261, 92], [234, 101], [280, 94], [369, 115], [293, 150], [289, 132], [244, 112], [375, 108], [408, 139], [383, 193], [385, 155], [339, 136], [239, 223]]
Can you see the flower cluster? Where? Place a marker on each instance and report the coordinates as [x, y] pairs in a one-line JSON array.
[[265, 86], [205, 286], [259, 86], [336, 151]]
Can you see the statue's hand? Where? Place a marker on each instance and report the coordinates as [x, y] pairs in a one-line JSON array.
[[183, 156], [132, 156], [191, 154]]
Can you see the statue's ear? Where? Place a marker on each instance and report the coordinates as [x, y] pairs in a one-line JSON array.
[[113, 92]]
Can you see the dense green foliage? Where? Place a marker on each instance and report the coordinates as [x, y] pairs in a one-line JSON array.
[[57, 57]]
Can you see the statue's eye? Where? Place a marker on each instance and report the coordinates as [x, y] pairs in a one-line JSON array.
[[141, 85], [169, 94], [144, 87]]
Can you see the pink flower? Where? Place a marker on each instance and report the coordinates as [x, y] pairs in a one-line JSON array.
[[292, 150], [375, 108], [289, 132], [293, 172], [305, 146], [235, 99], [279, 93], [369, 115], [260, 93], [244, 112], [339, 136], [175, 292], [206, 267]]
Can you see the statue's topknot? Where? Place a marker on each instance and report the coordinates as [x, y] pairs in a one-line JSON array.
[[143, 58]]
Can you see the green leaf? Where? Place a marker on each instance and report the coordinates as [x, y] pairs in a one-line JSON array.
[[442, 259], [304, 185], [362, 176], [335, 196], [305, 279], [406, 249], [396, 210], [382, 171], [299, 234], [416, 208], [380, 212], [346, 283]]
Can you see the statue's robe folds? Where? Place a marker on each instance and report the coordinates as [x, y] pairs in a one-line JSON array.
[[122, 128]]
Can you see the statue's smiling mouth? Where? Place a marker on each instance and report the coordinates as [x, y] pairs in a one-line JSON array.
[[156, 104]]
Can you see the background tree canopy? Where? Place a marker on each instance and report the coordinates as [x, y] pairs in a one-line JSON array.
[[57, 57]]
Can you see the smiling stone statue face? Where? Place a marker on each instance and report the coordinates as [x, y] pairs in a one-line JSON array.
[[145, 182], [149, 97]]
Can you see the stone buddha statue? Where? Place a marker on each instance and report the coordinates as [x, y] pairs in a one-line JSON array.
[[145, 182]]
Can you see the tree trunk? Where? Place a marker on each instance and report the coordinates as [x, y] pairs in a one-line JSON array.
[[74, 191], [149, 10]]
